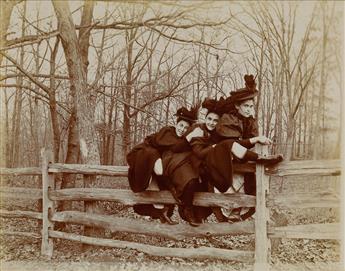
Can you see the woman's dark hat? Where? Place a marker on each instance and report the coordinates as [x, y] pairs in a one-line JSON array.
[[188, 115], [214, 106], [246, 93]]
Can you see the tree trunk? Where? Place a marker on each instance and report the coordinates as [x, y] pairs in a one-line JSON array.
[[84, 33], [34, 127], [52, 103], [319, 151], [84, 100], [127, 96], [35, 114], [4, 135], [16, 117], [18, 108], [68, 180], [289, 139]]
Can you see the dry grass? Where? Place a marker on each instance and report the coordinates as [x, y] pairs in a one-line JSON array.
[[300, 254]]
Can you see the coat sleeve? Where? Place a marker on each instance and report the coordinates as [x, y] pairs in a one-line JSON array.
[[166, 139], [250, 129], [245, 143], [163, 138], [181, 146], [200, 147]]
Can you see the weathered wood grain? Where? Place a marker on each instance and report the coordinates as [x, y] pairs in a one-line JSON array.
[[304, 200], [118, 171], [20, 214], [262, 242], [195, 253], [20, 193], [21, 233], [48, 204], [310, 231], [127, 197], [306, 168], [21, 171], [175, 232]]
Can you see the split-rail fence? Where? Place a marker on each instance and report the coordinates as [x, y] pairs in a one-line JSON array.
[[259, 226]]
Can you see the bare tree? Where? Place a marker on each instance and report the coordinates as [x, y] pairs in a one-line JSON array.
[[84, 99], [286, 70]]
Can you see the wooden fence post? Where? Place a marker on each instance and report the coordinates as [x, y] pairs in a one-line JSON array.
[[48, 205], [262, 242]]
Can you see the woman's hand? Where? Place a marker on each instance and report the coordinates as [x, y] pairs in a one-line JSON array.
[[261, 139], [197, 132]]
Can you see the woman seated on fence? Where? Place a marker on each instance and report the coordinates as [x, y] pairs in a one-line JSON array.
[[200, 147], [161, 163], [236, 133]]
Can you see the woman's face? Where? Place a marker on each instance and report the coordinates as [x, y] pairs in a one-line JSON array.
[[181, 127], [246, 108], [211, 121]]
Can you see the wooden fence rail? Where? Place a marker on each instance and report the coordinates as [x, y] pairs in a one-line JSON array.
[[291, 200], [196, 253], [260, 227]]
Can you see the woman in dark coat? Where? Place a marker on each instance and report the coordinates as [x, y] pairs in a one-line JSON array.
[[201, 146], [164, 156], [237, 133], [205, 149]]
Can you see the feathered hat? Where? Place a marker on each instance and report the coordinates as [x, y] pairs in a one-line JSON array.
[[214, 106], [246, 93], [188, 115]]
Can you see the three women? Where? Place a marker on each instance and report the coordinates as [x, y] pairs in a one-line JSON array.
[[208, 150]]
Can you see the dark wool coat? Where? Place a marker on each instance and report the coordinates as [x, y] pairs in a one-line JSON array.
[[177, 165], [235, 126], [218, 162], [201, 146], [164, 144], [234, 123], [141, 160]]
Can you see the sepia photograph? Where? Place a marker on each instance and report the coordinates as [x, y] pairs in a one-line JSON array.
[[172, 135]]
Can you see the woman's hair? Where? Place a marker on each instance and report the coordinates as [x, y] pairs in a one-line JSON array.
[[189, 116], [243, 101], [214, 106], [241, 95]]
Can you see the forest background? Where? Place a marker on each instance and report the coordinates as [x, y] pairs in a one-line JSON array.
[[90, 79]]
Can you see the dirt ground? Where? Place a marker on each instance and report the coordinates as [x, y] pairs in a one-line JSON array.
[[23, 253], [154, 266]]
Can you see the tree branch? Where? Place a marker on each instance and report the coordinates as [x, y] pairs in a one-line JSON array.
[[24, 86], [166, 94], [27, 74], [128, 104], [28, 40], [13, 75], [170, 37]]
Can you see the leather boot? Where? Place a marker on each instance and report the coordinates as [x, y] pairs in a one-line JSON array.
[[164, 183], [164, 218], [174, 194], [219, 214], [235, 215], [269, 159], [189, 215], [248, 214], [180, 209]]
